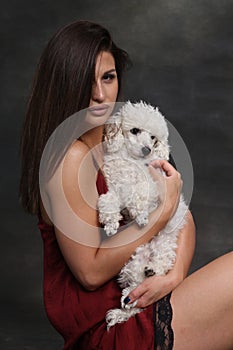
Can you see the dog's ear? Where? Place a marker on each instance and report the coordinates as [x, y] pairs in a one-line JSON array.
[[113, 135], [162, 149]]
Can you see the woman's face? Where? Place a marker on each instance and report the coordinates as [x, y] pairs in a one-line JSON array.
[[105, 85]]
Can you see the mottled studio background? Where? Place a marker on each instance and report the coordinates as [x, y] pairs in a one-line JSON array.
[[182, 52]]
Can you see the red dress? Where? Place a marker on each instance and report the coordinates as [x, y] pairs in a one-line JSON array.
[[79, 315]]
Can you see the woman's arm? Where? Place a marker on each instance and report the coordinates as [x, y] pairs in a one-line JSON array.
[[95, 263], [156, 287]]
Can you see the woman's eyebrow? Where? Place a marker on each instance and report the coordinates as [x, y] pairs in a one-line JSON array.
[[110, 71]]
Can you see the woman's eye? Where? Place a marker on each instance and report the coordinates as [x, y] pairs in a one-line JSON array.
[[109, 77], [135, 131]]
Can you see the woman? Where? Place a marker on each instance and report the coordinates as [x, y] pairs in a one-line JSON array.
[[82, 68]]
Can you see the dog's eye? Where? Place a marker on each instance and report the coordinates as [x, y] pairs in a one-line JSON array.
[[152, 137], [135, 131]]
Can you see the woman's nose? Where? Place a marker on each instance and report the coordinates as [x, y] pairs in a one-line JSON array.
[[98, 93]]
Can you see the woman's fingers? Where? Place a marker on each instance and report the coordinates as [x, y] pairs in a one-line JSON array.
[[164, 165], [148, 292], [139, 295], [156, 173], [136, 293], [170, 184]]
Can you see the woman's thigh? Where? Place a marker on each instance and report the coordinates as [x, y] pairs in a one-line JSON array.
[[203, 308]]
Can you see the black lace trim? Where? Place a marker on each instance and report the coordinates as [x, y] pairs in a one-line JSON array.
[[164, 337]]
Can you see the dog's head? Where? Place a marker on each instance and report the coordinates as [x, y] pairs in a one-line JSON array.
[[141, 128]]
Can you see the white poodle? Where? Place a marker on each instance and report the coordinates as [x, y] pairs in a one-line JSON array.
[[136, 135]]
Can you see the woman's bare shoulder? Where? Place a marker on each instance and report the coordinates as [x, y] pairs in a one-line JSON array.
[[72, 163], [77, 155], [79, 175], [77, 150]]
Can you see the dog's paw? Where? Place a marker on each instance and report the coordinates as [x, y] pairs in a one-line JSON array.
[[142, 219], [111, 228], [116, 316], [148, 272], [111, 221]]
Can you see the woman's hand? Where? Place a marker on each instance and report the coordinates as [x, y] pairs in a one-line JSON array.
[[154, 288], [170, 184]]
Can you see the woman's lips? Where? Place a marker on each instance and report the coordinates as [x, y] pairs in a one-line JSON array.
[[98, 110]]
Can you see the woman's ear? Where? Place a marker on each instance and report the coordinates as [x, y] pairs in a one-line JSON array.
[[162, 150], [113, 137]]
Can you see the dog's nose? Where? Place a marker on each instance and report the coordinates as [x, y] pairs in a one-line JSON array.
[[146, 150]]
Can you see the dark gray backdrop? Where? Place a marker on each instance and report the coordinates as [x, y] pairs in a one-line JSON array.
[[182, 52]]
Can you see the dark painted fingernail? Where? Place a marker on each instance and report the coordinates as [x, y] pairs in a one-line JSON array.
[[127, 300]]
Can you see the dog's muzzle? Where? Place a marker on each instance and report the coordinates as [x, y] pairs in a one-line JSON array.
[[146, 150]]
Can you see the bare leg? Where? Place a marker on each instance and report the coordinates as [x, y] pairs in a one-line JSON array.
[[203, 308]]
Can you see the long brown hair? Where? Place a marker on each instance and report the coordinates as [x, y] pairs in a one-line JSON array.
[[62, 86]]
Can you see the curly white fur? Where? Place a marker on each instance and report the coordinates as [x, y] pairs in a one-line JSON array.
[[136, 135]]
